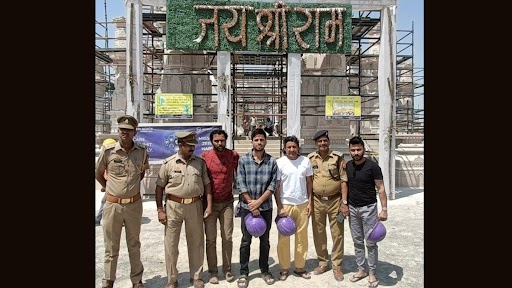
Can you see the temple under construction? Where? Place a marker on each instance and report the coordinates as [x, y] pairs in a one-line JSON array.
[[259, 86]]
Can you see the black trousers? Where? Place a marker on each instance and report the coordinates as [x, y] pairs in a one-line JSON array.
[[245, 245]]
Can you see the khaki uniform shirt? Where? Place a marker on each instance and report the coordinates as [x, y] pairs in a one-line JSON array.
[[184, 179], [324, 184], [124, 168]]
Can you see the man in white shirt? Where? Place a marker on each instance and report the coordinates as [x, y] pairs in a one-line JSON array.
[[293, 195]]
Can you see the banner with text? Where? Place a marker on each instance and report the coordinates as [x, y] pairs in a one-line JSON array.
[[174, 106], [343, 107], [161, 142]]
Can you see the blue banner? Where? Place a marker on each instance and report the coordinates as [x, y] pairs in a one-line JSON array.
[[161, 142]]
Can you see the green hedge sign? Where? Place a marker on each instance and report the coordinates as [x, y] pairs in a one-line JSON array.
[[259, 26]]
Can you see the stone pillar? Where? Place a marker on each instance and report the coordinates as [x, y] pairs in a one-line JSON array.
[[387, 99], [225, 94], [293, 97], [119, 66]]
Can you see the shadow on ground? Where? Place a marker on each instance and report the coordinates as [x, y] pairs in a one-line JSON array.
[[406, 192], [146, 220], [385, 272]]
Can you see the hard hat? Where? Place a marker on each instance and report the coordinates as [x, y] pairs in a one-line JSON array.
[[286, 225], [377, 233], [108, 141], [256, 226]]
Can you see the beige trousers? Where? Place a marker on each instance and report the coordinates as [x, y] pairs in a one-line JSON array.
[[323, 209], [192, 215], [299, 214], [114, 215]]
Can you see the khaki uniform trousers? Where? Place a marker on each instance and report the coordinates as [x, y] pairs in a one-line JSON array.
[[114, 215], [323, 209], [224, 212], [192, 215], [299, 214]]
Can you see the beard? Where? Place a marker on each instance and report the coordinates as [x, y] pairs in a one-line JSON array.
[[259, 148], [219, 148], [357, 157]]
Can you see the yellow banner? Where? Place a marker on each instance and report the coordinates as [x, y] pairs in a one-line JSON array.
[[343, 107], [174, 105]]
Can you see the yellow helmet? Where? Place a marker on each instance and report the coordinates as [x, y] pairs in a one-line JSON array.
[[108, 141]]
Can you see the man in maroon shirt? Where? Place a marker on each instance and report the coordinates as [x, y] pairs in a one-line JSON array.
[[222, 164]]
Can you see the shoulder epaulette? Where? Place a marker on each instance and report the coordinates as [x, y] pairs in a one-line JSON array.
[[199, 157], [311, 155], [337, 153], [170, 158]]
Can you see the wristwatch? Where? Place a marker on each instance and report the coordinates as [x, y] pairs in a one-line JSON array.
[[344, 201]]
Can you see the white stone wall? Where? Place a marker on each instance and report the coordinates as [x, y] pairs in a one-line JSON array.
[[409, 165]]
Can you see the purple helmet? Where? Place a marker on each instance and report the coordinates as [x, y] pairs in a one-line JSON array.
[[256, 226], [285, 225], [377, 233]]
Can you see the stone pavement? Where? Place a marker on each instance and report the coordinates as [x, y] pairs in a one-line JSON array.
[[401, 253]]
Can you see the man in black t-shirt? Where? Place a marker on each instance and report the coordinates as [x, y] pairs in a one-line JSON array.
[[363, 176]]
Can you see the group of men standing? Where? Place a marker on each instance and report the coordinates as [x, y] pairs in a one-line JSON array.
[[199, 192]]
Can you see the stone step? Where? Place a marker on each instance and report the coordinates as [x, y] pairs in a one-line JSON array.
[[273, 146]]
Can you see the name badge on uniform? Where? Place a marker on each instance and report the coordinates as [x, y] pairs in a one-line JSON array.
[[118, 160], [177, 171]]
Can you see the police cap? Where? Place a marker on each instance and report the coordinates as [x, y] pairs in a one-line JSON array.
[[127, 122], [320, 134], [187, 137]]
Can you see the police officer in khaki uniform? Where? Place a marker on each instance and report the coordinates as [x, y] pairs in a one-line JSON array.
[[184, 178], [126, 163], [330, 198]]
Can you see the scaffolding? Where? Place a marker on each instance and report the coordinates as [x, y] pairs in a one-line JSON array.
[[362, 72], [409, 120], [104, 86], [153, 54], [259, 88]]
